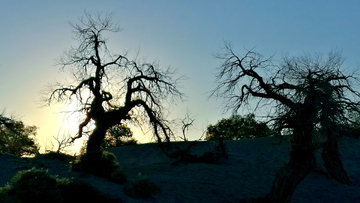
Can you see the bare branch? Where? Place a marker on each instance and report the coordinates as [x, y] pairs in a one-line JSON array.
[[101, 76]]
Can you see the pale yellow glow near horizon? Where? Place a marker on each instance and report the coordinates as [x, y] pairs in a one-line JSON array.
[[53, 124]]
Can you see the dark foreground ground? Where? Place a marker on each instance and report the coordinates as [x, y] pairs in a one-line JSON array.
[[248, 172]]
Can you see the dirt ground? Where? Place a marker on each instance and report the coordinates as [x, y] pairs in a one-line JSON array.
[[248, 172]]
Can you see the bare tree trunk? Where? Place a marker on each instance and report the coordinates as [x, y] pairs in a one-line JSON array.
[[96, 138], [333, 163], [291, 174]]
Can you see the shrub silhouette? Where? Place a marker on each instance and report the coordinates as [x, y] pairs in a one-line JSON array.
[[118, 176], [118, 135], [142, 188], [32, 184], [57, 155], [237, 127], [38, 185], [131, 141], [102, 164]]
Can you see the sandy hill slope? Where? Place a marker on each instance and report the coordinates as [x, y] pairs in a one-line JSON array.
[[248, 172]]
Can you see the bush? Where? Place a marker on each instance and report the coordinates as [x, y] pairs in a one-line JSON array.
[[118, 135], [38, 185], [131, 141], [118, 176], [102, 164], [142, 188], [110, 142], [57, 155], [238, 127], [35, 184]]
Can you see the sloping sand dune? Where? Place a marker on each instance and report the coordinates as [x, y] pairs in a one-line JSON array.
[[248, 172]]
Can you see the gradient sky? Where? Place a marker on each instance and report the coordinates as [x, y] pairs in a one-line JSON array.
[[182, 34]]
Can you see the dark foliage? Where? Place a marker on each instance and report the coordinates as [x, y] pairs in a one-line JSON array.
[[102, 164], [56, 155], [237, 127], [117, 136], [16, 138], [37, 185]]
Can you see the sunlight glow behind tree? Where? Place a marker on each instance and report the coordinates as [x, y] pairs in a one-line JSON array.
[[110, 88]]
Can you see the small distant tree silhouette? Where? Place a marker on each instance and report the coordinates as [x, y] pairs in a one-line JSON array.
[[110, 87], [63, 142], [187, 122], [309, 96]]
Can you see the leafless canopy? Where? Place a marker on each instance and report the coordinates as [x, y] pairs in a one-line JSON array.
[[311, 96], [108, 86], [286, 85]]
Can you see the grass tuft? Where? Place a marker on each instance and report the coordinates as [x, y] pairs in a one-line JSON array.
[[142, 188]]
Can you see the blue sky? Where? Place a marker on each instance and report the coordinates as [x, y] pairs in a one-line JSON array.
[[181, 34]]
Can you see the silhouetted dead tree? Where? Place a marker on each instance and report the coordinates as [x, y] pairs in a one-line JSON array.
[[187, 122], [62, 143], [308, 96], [108, 87]]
